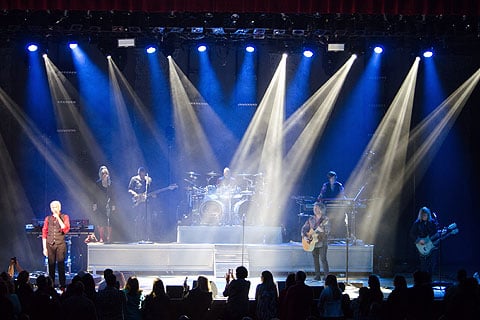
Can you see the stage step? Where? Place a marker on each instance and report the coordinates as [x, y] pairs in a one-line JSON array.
[[229, 257]]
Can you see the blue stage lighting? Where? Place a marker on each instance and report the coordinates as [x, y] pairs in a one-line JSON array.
[[73, 45], [307, 53], [428, 54], [32, 47], [250, 48], [378, 49], [151, 49], [202, 48]]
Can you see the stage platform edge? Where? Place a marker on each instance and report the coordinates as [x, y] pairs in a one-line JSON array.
[[216, 259]]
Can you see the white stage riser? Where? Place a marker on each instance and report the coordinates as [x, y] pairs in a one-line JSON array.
[[178, 258], [229, 234]]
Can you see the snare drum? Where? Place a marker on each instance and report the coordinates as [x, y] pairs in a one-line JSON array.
[[211, 212]]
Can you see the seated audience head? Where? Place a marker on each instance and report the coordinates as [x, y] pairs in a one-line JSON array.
[[158, 287], [76, 288], [42, 282], [203, 284], [290, 281], [107, 271], [111, 280], [399, 282], [132, 285], [120, 279], [300, 276], [363, 293], [23, 277], [421, 278], [267, 277], [331, 281], [241, 272], [373, 282]]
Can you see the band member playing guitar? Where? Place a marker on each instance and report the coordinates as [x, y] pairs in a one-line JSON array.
[[315, 233], [139, 187], [425, 227]]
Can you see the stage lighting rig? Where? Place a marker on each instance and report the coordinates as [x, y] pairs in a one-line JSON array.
[[259, 33], [126, 43]]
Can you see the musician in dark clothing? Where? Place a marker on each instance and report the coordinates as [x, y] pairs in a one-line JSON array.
[[317, 228], [55, 227], [331, 189], [422, 229], [103, 205], [237, 292], [139, 187]]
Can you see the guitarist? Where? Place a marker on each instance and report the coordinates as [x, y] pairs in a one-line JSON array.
[[425, 226], [138, 187], [317, 229]]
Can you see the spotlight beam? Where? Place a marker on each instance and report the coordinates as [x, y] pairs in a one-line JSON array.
[[323, 100], [432, 131], [63, 166], [389, 148], [192, 140], [127, 136], [121, 82]]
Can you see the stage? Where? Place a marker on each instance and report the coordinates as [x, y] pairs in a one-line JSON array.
[[216, 257]]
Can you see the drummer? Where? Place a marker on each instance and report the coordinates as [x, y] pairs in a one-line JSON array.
[[226, 182]]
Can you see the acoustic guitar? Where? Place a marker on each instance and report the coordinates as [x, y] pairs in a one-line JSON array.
[[311, 239]]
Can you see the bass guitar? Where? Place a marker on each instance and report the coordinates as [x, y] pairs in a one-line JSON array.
[[431, 243], [142, 197], [311, 239]]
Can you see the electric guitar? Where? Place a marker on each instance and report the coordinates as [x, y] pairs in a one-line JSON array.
[[142, 197], [431, 243], [311, 239]]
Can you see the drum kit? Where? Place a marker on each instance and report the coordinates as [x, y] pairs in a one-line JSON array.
[[222, 201]]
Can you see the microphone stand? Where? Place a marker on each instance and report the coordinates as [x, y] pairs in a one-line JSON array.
[[243, 236], [346, 247], [147, 227]]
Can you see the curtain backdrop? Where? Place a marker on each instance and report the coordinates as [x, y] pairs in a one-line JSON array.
[[405, 7]]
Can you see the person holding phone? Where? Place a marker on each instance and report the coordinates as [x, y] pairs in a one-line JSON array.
[[237, 292]]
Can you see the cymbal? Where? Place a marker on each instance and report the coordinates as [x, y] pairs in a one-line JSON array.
[[244, 174], [305, 198], [192, 173], [213, 174]]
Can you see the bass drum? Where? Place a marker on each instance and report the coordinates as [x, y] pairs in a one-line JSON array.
[[248, 209], [211, 212]]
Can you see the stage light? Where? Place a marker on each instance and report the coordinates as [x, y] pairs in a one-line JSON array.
[[32, 47], [250, 49], [151, 49], [109, 56], [308, 53], [44, 56], [378, 49], [202, 48], [428, 54], [73, 45]]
